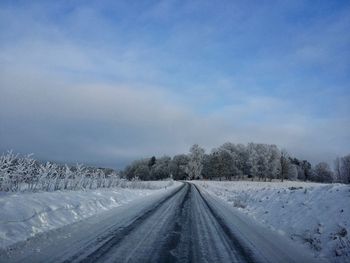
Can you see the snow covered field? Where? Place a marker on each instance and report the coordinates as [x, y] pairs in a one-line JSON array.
[[316, 215], [23, 215]]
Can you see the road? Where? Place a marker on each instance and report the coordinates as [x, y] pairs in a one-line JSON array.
[[187, 225]]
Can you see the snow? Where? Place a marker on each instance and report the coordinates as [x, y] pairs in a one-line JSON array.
[[315, 215], [179, 223], [23, 215]]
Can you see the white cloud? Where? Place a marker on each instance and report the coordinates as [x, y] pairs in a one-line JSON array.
[[112, 99], [102, 123]]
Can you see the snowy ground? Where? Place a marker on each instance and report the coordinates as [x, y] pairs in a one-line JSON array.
[[316, 215], [23, 215], [181, 225]]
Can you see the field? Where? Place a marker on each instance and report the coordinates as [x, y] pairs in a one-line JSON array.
[[313, 214]]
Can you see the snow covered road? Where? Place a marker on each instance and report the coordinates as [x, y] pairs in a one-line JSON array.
[[185, 225]]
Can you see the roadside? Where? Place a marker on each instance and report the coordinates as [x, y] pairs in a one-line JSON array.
[[314, 215], [24, 215], [182, 225]]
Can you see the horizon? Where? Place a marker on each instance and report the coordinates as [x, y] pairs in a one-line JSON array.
[[107, 83]]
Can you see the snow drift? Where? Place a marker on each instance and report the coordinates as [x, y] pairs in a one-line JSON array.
[[23, 215]]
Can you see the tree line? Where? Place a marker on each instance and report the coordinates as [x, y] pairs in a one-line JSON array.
[[228, 162], [237, 161]]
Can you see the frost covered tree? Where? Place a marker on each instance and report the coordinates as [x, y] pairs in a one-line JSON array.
[[23, 173], [152, 162], [243, 156], [293, 172], [284, 165], [342, 169], [207, 169], [307, 169], [223, 164], [337, 170], [263, 160], [161, 169], [239, 156], [323, 173], [148, 169], [345, 169], [178, 166], [16, 171], [79, 176], [252, 160], [274, 164], [139, 169], [194, 166], [303, 168], [262, 151], [142, 172]]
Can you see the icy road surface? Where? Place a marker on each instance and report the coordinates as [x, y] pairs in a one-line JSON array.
[[186, 225]]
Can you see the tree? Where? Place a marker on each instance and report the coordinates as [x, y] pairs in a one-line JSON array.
[[337, 170], [262, 160], [178, 166], [139, 169], [194, 166], [252, 161], [345, 169], [161, 169], [23, 173], [16, 170], [152, 162], [323, 173], [243, 156], [239, 158], [274, 164], [307, 169], [293, 172], [207, 170], [285, 163], [222, 164]]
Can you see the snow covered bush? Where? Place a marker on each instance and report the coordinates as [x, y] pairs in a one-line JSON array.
[[16, 171], [23, 173]]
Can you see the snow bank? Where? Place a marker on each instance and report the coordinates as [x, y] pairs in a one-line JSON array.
[[316, 215], [23, 215]]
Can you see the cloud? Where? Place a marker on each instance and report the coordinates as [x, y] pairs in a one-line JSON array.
[[111, 124], [151, 81]]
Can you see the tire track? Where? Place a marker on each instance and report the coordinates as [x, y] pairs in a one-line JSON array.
[[235, 243], [114, 237]]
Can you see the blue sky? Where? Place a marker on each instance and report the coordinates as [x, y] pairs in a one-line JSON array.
[[104, 82]]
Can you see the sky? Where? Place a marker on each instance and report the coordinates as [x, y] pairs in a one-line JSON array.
[[107, 82]]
